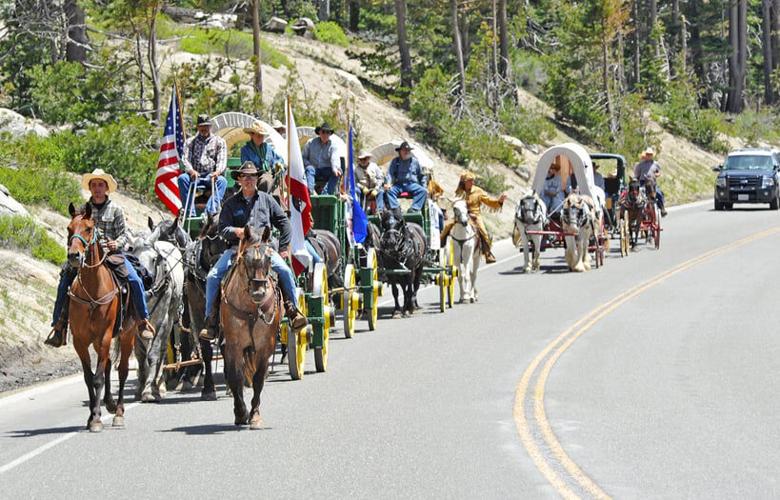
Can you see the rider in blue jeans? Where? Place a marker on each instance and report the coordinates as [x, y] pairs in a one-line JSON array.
[[321, 161], [406, 175], [260, 210], [110, 224]]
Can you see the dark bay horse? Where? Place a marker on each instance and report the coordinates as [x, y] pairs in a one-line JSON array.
[[94, 317], [250, 313], [402, 247], [632, 204]]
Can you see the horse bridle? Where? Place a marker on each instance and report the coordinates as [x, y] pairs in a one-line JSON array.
[[260, 251], [89, 301], [536, 212]]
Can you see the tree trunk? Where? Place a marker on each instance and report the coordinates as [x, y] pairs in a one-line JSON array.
[[697, 51], [613, 123], [154, 68], [465, 39], [675, 42], [403, 47], [775, 34], [503, 40], [76, 46], [324, 11], [258, 87], [354, 15], [683, 46], [766, 39], [637, 44], [738, 57], [458, 47]]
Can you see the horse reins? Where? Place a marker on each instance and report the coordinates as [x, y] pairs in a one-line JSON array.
[[105, 299]]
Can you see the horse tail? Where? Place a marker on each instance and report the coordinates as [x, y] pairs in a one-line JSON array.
[[250, 365]]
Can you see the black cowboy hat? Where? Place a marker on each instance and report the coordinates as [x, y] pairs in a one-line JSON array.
[[324, 128], [404, 145], [248, 168], [203, 119]]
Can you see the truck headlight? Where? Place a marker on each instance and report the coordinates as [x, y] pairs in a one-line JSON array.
[[720, 182], [768, 182]]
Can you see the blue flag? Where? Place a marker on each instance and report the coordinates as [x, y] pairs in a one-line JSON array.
[[359, 219]]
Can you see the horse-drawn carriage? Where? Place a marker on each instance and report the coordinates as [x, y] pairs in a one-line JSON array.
[[639, 215], [578, 225]]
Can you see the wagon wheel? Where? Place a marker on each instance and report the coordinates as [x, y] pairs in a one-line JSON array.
[[376, 286], [350, 301], [320, 289], [442, 279], [453, 275], [624, 242], [297, 342], [657, 230]]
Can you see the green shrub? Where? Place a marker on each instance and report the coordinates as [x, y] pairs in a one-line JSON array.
[[755, 127], [41, 186], [330, 32], [530, 126], [682, 116], [229, 43], [22, 233]]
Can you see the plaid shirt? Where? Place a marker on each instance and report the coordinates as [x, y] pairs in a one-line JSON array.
[[110, 223], [205, 154]]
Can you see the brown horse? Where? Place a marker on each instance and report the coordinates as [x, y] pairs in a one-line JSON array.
[[632, 204], [250, 313], [94, 317]]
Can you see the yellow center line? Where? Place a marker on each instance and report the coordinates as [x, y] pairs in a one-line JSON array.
[[563, 342]]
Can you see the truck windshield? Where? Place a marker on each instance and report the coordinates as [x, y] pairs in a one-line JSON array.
[[748, 163]]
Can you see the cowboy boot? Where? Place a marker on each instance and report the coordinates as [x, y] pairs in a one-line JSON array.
[[211, 330], [146, 330], [294, 316], [489, 257], [58, 336]]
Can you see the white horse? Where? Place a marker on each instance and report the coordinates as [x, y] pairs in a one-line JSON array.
[[164, 299], [578, 216], [530, 215], [466, 245]]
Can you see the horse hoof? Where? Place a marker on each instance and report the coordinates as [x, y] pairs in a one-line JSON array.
[[256, 422], [407, 314], [96, 426], [111, 406], [396, 314], [148, 397], [241, 420], [472, 300], [119, 422], [208, 395]]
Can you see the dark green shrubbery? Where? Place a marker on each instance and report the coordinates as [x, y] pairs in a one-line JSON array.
[[22, 233]]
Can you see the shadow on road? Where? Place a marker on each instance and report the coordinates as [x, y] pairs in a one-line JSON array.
[[44, 432], [211, 429]]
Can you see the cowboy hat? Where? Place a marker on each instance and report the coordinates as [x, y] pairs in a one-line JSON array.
[[467, 176], [277, 125], [98, 173], [365, 154], [247, 168], [203, 119], [404, 145], [257, 127], [324, 128], [648, 152]]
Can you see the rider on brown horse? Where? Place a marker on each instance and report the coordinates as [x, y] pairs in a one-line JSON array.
[[648, 171], [250, 206], [476, 197], [112, 233]]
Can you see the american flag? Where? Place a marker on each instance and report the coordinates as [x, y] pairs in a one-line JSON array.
[[171, 151]]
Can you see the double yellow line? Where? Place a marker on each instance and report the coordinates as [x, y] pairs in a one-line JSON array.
[[552, 464]]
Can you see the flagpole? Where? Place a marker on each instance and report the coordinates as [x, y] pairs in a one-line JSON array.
[[288, 111]]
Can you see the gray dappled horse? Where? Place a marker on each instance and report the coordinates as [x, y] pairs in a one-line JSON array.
[[579, 219], [531, 215]]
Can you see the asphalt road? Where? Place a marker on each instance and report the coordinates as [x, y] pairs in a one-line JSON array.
[[664, 389]]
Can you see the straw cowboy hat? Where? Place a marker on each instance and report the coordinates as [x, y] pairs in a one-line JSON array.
[[98, 173], [648, 152], [277, 125], [258, 128], [365, 154], [467, 176], [247, 168]]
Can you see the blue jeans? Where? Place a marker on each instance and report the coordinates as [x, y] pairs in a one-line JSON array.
[[419, 195], [215, 200], [134, 281], [322, 174], [314, 257], [220, 269]]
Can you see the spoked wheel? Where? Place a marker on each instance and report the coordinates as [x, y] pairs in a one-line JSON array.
[[624, 235], [350, 300], [297, 342], [320, 290], [373, 264], [657, 230], [442, 290], [453, 275]]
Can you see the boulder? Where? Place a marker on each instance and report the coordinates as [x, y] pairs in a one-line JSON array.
[[275, 25], [18, 126], [516, 143], [351, 82], [8, 205], [219, 21], [304, 27]]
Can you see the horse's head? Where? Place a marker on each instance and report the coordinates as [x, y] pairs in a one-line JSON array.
[[254, 253], [575, 212], [649, 188], [170, 231], [82, 235], [212, 244], [393, 233], [461, 212], [530, 209], [634, 196]]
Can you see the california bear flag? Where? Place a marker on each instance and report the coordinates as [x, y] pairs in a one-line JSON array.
[[300, 203]]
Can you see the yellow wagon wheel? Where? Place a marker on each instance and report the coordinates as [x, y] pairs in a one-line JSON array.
[[320, 289], [453, 275], [624, 237], [297, 342], [442, 279], [376, 288], [350, 300]]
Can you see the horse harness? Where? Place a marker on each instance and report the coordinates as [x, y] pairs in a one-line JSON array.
[[91, 302]]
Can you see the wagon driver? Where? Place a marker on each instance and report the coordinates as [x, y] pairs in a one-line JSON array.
[[647, 169], [262, 155], [205, 160], [476, 197]]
